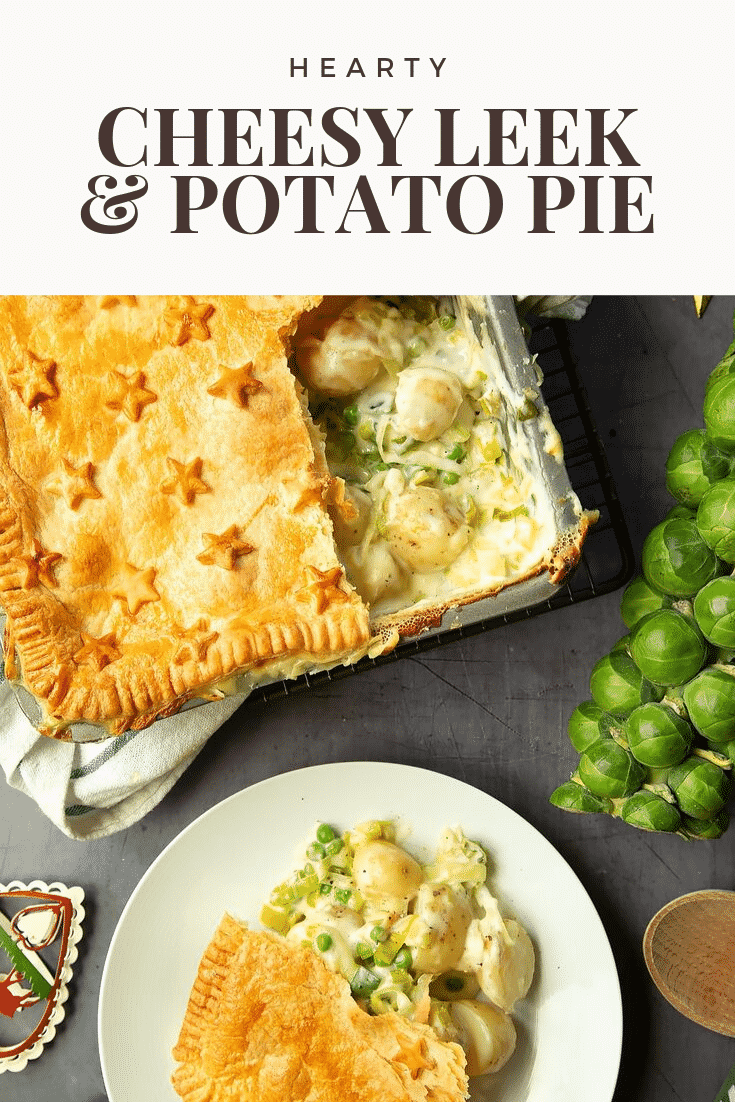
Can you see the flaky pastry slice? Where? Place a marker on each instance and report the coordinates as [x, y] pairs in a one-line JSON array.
[[267, 1021], [162, 517]]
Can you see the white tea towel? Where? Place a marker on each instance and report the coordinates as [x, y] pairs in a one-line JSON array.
[[92, 789]]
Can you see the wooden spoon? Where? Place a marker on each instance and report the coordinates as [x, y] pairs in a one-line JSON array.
[[689, 949]]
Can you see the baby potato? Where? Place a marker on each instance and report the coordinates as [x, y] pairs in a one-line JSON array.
[[507, 967], [376, 574], [427, 401], [487, 1035], [342, 362], [383, 870], [424, 528], [447, 916]]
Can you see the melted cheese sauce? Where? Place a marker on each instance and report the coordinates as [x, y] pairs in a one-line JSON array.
[[420, 423], [427, 941]]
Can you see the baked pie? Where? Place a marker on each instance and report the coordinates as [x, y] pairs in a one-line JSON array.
[[162, 518], [268, 1021], [198, 493]]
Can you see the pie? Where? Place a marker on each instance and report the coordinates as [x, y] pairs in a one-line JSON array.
[[268, 1021], [201, 493], [162, 517]]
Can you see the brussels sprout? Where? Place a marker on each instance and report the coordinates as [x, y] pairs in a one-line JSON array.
[[726, 748], [694, 463], [618, 686], [710, 701], [676, 559], [714, 611], [657, 736], [701, 788], [648, 811], [719, 410], [587, 724], [638, 600], [726, 366], [667, 647], [705, 828], [682, 511], [574, 797], [609, 770], [716, 518]]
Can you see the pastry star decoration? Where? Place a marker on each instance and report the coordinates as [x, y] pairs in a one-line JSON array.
[[195, 643], [39, 565], [97, 652], [185, 479], [224, 550], [323, 587], [410, 1053], [74, 484], [108, 302], [189, 321], [135, 587], [33, 380], [236, 384], [130, 395]]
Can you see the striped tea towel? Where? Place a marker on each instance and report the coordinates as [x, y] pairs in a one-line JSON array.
[[93, 789]]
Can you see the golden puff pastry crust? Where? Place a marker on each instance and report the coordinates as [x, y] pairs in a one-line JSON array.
[[162, 517], [268, 1021]]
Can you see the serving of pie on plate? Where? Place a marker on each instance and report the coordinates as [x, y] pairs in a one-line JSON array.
[[175, 524], [268, 1021]]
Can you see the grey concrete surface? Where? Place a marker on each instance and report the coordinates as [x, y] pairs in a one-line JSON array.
[[490, 710]]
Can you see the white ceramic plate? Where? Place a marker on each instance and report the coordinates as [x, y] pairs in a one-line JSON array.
[[569, 1026]]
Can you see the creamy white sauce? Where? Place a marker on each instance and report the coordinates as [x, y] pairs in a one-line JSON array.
[[425, 429]]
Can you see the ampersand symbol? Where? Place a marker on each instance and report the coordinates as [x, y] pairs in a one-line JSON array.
[[118, 207]]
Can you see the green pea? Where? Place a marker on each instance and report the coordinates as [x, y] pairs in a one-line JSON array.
[[342, 895], [447, 322], [325, 888], [449, 478], [324, 833], [324, 943], [351, 414], [315, 851], [378, 933], [335, 847], [363, 951]]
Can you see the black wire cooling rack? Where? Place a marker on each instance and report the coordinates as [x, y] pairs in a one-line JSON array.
[[607, 560]]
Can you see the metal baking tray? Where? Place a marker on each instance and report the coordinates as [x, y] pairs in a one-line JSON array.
[[607, 560]]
